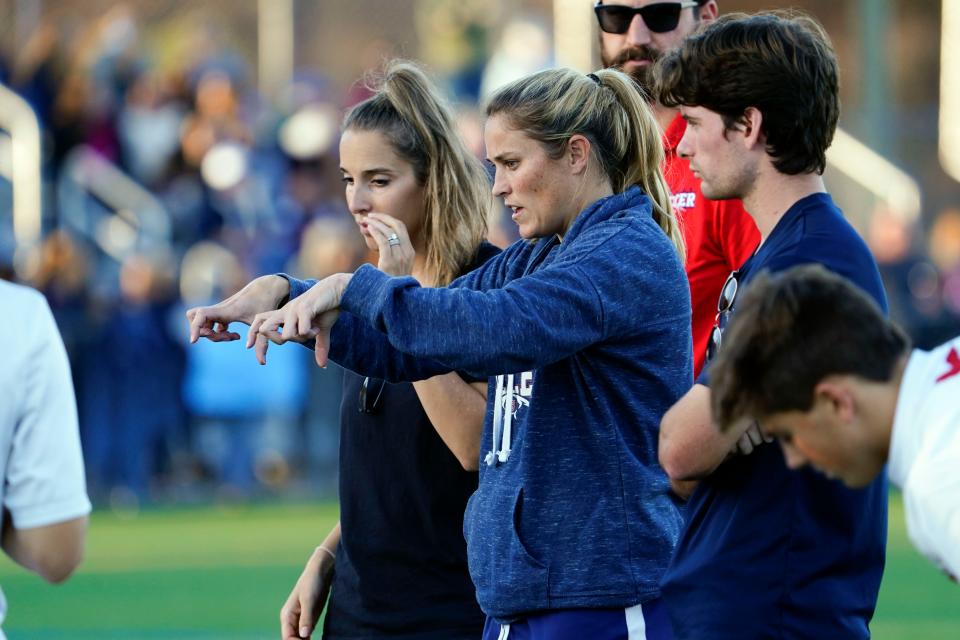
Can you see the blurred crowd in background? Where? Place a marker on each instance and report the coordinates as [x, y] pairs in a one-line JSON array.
[[171, 184]]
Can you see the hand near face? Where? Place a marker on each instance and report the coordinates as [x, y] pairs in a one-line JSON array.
[[308, 317], [395, 259], [260, 295]]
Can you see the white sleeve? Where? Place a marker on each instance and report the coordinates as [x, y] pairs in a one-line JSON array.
[[932, 498], [45, 481]]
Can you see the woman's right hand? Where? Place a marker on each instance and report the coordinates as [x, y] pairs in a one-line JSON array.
[[262, 294], [395, 259], [300, 612]]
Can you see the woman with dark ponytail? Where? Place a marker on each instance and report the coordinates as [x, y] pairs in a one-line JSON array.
[[395, 565]]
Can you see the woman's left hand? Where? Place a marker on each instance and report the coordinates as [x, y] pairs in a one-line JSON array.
[[308, 317], [396, 257]]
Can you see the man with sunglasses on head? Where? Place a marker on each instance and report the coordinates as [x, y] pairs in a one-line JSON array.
[[719, 234], [766, 553]]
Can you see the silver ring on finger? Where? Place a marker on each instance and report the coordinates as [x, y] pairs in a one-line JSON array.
[[393, 240]]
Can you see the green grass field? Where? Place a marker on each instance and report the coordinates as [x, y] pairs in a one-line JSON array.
[[211, 573]]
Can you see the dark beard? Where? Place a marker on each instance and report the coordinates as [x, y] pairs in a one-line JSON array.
[[640, 75]]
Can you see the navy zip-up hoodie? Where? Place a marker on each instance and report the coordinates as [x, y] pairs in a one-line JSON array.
[[588, 344]]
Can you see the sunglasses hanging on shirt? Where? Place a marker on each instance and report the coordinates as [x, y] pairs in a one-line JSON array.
[[724, 305], [370, 392], [660, 17]]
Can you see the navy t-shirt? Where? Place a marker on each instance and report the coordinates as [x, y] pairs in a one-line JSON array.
[[401, 569], [768, 552]]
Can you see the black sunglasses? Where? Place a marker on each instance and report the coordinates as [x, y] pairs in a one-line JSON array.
[[724, 306], [660, 17], [370, 395]]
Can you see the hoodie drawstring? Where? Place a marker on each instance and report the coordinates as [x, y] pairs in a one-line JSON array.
[[502, 431]]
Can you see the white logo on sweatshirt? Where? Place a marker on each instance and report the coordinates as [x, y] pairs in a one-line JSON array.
[[513, 393]]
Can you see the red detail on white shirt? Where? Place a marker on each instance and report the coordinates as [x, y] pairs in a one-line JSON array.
[[924, 450], [953, 359]]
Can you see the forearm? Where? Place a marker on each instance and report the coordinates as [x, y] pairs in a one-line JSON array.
[[530, 322], [357, 346], [51, 551], [691, 446], [456, 409]]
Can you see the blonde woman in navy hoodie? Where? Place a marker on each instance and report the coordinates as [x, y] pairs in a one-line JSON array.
[[585, 336]]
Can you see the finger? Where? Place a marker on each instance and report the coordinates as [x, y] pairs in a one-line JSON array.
[[380, 228], [304, 322], [220, 336], [755, 438], [321, 351], [271, 327], [307, 620], [196, 323], [254, 329], [394, 224], [261, 345], [744, 444], [379, 234], [389, 230], [291, 323], [288, 622], [324, 327], [288, 630]]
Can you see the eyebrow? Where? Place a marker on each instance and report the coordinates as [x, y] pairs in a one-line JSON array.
[[374, 171], [500, 158]]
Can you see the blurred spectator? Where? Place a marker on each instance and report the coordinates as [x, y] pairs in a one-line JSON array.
[[149, 124], [133, 412], [59, 267], [912, 281], [230, 423], [945, 253], [524, 48]]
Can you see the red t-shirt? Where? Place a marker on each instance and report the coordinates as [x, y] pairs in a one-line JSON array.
[[720, 236]]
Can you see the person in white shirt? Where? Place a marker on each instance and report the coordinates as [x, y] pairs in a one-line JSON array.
[[42, 483], [814, 361]]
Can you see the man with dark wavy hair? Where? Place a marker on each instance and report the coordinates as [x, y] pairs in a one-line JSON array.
[[719, 234], [766, 552]]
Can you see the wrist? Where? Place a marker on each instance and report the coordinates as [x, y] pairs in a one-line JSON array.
[[279, 290], [324, 558], [342, 281]]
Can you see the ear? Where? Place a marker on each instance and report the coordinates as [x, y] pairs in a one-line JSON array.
[[834, 399], [709, 11], [578, 153], [751, 122]]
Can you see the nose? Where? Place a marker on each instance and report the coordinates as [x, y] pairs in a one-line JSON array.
[[500, 186], [358, 200], [685, 146], [638, 33], [794, 458]]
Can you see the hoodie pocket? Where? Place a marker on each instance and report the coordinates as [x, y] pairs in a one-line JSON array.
[[521, 546], [509, 579]]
